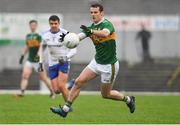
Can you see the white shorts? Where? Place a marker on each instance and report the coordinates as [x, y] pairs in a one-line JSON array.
[[108, 72], [32, 65]]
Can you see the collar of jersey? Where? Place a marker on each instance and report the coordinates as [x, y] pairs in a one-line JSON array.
[[55, 32], [33, 32], [99, 21]]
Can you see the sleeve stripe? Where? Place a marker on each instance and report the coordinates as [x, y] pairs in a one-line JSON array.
[[105, 29]]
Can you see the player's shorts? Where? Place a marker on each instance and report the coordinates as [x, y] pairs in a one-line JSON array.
[[33, 65], [108, 72], [55, 69]]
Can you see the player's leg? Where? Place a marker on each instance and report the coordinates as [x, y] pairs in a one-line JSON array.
[[46, 81], [107, 78], [90, 72], [108, 75], [108, 93], [55, 86], [43, 77], [62, 80], [27, 70], [63, 71], [86, 75], [53, 75]]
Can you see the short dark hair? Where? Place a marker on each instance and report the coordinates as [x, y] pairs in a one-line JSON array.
[[97, 5], [54, 18], [33, 21]]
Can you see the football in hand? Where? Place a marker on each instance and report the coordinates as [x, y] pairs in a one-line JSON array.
[[71, 40]]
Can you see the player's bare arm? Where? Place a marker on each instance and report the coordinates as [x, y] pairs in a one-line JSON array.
[[40, 52], [100, 33], [25, 50]]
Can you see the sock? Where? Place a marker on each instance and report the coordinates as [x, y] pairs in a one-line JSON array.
[[127, 99], [67, 106], [68, 103]]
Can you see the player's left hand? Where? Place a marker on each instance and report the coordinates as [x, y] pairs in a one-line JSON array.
[[61, 39], [63, 59], [86, 29]]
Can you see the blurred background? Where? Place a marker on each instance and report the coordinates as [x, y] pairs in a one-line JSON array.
[[157, 71]]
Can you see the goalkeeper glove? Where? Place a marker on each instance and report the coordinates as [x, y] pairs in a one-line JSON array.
[[21, 59], [86, 29], [40, 67], [61, 39]]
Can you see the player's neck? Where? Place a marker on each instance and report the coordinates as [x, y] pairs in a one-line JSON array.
[[55, 31], [33, 31], [99, 21]]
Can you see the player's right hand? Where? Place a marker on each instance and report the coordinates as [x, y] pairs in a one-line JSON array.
[[86, 29], [21, 59], [40, 67]]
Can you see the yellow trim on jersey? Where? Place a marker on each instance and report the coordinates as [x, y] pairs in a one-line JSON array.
[[113, 73], [33, 43], [97, 39]]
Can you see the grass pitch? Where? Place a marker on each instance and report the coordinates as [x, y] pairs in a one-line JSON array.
[[89, 109]]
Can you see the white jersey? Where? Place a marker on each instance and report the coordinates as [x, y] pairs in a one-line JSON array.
[[56, 50]]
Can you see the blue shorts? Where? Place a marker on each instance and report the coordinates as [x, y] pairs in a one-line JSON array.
[[55, 69]]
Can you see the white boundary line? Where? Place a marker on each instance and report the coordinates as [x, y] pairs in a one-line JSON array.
[[31, 92]]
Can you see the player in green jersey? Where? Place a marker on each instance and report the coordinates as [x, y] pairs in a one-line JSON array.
[[105, 64], [33, 41]]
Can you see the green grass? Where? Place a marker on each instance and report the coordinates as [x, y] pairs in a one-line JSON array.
[[90, 109]]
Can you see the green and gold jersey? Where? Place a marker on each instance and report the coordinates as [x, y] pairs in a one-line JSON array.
[[33, 41], [105, 47]]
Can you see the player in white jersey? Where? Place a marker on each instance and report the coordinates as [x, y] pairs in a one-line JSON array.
[[59, 56]]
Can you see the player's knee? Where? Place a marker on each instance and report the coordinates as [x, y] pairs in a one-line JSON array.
[[56, 90], [43, 78], [78, 82], [62, 86], [25, 76]]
